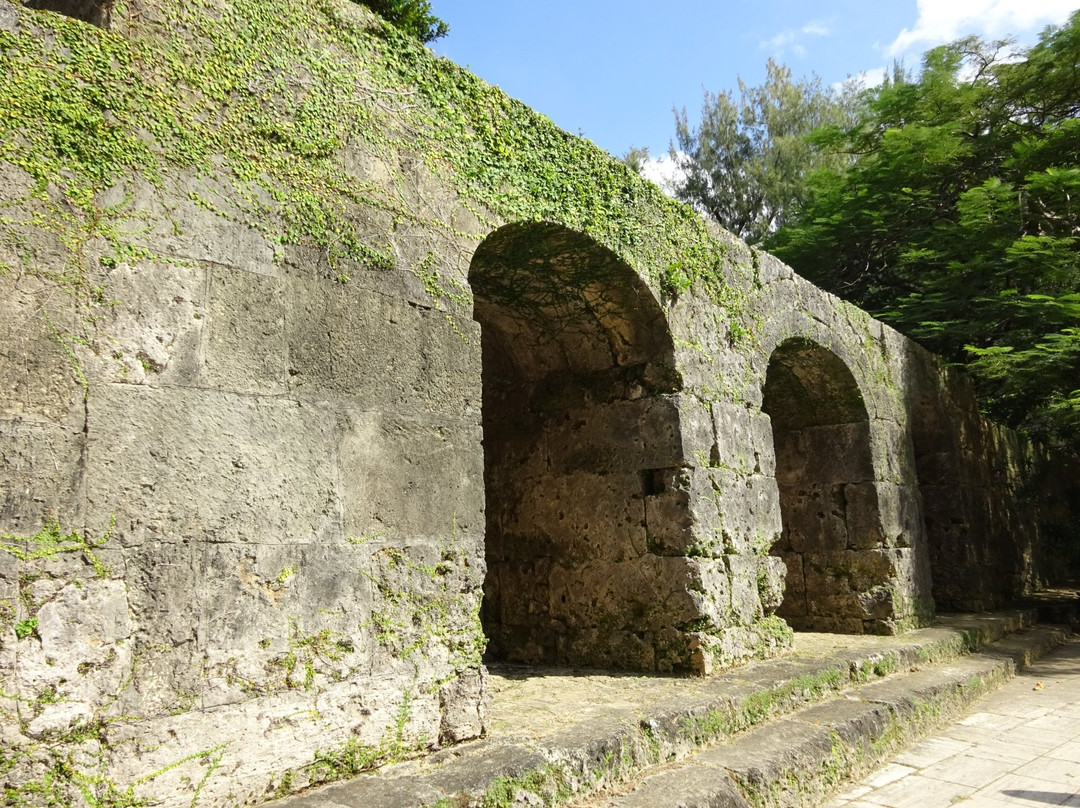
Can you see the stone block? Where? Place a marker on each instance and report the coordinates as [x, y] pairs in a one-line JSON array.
[[625, 595], [78, 657], [863, 516], [405, 475], [246, 349], [937, 468], [900, 514], [370, 349], [698, 437], [670, 525], [625, 436], [176, 465], [814, 519], [463, 704], [580, 515], [195, 217], [711, 591], [747, 508], [771, 580], [607, 647], [835, 454], [744, 572], [162, 583], [152, 333], [522, 593], [41, 475], [733, 427], [761, 439], [38, 374]]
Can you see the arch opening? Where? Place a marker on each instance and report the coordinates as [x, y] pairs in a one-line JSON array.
[[95, 12], [832, 541], [578, 368]]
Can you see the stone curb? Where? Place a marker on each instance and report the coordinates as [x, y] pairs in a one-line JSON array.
[[802, 759], [623, 745]]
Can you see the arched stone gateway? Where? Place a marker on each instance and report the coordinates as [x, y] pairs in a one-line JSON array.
[[247, 426], [580, 425], [838, 571]]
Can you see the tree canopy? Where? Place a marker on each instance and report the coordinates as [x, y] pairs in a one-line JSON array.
[[414, 17], [957, 219], [747, 162]]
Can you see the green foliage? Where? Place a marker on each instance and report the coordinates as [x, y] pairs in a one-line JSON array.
[[635, 158], [414, 17], [24, 628], [959, 221], [50, 542], [353, 757], [746, 163], [265, 97], [549, 786]]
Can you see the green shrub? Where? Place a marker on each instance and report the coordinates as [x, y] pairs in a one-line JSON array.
[[414, 17]]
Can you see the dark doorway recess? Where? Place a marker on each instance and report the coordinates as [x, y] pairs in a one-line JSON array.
[[577, 417], [95, 12], [831, 541]]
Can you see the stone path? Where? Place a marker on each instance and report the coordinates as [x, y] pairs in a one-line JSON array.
[[1019, 746], [782, 732]]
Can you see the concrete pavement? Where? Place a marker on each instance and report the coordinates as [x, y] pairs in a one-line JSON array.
[[1018, 746]]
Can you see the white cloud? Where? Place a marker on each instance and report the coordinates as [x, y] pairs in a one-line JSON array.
[[663, 171], [791, 37], [942, 21], [864, 80], [780, 41]]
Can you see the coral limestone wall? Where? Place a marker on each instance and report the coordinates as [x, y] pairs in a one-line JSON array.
[[325, 367]]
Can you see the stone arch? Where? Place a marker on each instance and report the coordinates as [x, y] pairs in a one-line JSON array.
[[838, 571], [578, 420]]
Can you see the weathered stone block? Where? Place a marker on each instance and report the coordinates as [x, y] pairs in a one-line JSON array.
[[863, 517], [843, 444], [743, 572], [900, 506], [391, 463], [626, 436], [669, 522], [36, 356], [196, 217], [41, 474], [736, 438], [246, 350], [178, 465], [641, 594], [814, 519], [78, 657], [375, 351], [153, 333], [577, 515]]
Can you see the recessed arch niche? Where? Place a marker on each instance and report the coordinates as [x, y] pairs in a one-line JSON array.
[[832, 541], [577, 418], [95, 12]]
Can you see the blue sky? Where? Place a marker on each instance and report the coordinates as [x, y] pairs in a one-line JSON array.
[[613, 71]]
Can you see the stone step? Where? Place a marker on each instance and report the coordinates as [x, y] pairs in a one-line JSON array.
[[803, 758], [645, 752]]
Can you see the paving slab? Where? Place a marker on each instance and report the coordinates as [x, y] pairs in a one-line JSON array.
[[1016, 747]]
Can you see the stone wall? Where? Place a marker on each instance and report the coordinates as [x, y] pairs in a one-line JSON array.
[[277, 465]]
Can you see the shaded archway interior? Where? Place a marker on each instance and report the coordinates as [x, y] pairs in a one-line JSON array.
[[95, 12], [832, 540], [965, 517], [577, 368]]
